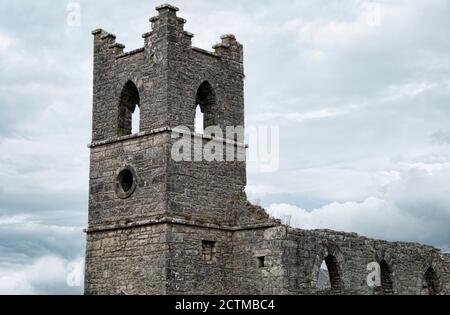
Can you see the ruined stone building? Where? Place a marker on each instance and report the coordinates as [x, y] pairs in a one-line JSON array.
[[157, 226]]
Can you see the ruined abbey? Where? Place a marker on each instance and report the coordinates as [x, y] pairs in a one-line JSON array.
[[158, 226]]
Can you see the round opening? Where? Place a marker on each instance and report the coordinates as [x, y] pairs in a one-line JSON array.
[[126, 180], [125, 184]]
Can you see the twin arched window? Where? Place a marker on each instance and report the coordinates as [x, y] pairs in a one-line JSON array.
[[431, 280], [333, 281], [129, 109]]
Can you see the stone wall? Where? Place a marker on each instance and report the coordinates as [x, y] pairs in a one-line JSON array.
[[258, 265], [127, 261], [200, 260], [305, 251], [146, 156], [171, 258], [203, 191]]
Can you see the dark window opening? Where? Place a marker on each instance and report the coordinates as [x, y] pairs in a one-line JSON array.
[[129, 113], [261, 262], [206, 109], [387, 287], [334, 274], [329, 278], [208, 250], [126, 180], [431, 286], [125, 183]]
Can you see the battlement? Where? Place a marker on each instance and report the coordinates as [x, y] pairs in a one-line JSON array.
[[167, 54], [167, 7], [167, 26], [107, 41]]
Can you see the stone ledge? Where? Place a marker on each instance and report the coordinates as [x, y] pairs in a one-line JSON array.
[[166, 220], [188, 34], [228, 36], [130, 53], [167, 6], [324, 233], [117, 45], [218, 139], [108, 35], [162, 130], [148, 34], [221, 45], [125, 138], [205, 52], [97, 31]]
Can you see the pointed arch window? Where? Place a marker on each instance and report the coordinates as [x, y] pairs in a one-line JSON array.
[[129, 110], [387, 287], [206, 109], [329, 278], [431, 286]]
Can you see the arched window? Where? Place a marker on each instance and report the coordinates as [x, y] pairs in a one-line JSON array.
[[128, 119], [431, 283], [206, 115], [387, 287], [329, 278]]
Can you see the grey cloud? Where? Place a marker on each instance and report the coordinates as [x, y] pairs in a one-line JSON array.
[[441, 136], [412, 205], [27, 239]]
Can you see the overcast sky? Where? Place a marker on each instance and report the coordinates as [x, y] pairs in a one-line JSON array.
[[359, 89]]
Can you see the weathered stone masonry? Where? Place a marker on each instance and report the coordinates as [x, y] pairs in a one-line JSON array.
[[157, 226]]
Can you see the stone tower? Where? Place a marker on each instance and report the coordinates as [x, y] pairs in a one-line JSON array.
[[156, 224], [161, 225]]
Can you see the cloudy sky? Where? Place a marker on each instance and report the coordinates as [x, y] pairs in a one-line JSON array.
[[359, 89]]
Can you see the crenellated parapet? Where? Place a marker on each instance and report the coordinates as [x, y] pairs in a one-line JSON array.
[[166, 59], [167, 25], [105, 42], [166, 28], [230, 48]]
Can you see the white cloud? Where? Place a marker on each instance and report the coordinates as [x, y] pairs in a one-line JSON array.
[[409, 90], [17, 219], [299, 117], [413, 204], [35, 257], [323, 184], [46, 275], [5, 42]]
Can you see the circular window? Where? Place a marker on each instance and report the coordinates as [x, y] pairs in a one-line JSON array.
[[125, 183]]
